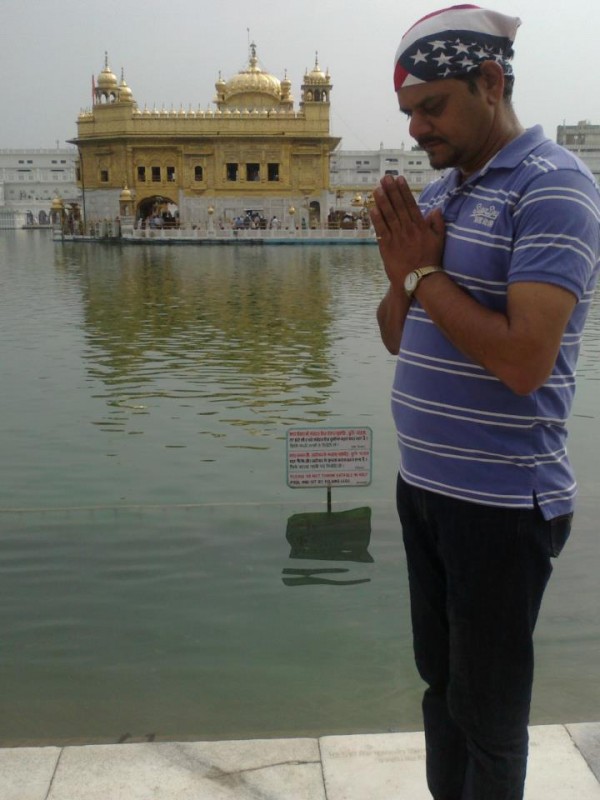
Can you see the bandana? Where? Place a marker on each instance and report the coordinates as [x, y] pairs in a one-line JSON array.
[[454, 41]]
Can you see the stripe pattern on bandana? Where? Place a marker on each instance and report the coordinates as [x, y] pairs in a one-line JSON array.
[[452, 42]]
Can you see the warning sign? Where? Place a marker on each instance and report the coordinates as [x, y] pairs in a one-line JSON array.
[[329, 457]]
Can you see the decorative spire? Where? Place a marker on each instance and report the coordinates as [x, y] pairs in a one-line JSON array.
[[253, 58]]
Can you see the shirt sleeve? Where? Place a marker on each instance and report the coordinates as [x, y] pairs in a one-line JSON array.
[[557, 231]]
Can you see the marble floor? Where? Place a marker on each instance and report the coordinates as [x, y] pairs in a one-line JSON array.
[[564, 764]]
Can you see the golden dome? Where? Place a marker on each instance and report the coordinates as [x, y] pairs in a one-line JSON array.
[[251, 88], [107, 80], [125, 93], [316, 75]]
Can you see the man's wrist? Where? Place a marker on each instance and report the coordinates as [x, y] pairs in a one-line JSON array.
[[414, 277]]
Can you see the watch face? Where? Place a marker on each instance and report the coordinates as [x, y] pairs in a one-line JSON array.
[[410, 283]]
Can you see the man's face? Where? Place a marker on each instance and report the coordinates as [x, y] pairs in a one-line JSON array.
[[450, 121]]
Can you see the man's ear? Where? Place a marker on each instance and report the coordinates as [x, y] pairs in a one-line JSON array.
[[492, 82]]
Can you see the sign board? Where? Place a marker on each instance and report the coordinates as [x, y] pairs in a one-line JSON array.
[[318, 457]]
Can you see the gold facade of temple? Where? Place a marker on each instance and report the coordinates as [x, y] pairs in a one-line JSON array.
[[253, 152]]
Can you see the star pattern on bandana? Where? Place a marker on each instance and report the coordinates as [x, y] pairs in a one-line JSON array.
[[433, 58]]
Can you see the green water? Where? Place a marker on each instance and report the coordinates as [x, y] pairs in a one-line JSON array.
[[147, 586]]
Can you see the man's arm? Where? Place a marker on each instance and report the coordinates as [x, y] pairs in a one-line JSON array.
[[391, 314], [520, 347]]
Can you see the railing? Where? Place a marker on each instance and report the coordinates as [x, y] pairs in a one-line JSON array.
[[123, 230], [248, 234]]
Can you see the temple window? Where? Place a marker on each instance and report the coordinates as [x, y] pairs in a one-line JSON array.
[[141, 174], [232, 171], [252, 172], [104, 176], [156, 174], [170, 174], [198, 173], [273, 172]]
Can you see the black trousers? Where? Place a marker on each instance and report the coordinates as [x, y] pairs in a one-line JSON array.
[[477, 575]]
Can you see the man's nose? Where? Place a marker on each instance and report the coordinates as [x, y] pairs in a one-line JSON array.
[[418, 126]]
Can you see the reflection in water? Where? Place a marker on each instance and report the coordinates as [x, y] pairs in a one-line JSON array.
[[328, 536], [243, 333], [306, 577], [333, 536]]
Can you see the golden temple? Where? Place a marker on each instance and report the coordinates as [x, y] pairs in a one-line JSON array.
[[254, 152]]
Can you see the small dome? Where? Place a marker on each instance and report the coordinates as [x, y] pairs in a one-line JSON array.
[[316, 75], [286, 89], [125, 196], [107, 80], [125, 93]]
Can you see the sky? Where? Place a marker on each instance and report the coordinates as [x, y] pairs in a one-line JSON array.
[[172, 51]]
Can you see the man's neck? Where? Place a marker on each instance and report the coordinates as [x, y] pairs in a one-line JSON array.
[[506, 133]]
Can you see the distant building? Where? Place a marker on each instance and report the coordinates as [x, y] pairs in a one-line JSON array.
[[355, 173], [361, 170], [582, 139], [30, 179], [254, 153]]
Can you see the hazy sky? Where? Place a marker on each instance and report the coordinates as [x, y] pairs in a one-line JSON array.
[[173, 50]]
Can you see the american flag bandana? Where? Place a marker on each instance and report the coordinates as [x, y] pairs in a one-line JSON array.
[[454, 41]]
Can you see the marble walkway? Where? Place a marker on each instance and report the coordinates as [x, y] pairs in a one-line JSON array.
[[564, 764]]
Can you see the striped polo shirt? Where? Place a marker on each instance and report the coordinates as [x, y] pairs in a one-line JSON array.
[[531, 214]]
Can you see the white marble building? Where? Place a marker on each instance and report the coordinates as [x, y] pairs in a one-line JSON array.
[[584, 140], [30, 179], [361, 170]]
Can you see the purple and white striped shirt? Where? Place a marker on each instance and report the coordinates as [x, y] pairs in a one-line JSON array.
[[531, 214]]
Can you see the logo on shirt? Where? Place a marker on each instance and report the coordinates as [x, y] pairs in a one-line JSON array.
[[485, 215]]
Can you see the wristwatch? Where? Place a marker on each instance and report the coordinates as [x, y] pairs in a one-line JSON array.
[[413, 278]]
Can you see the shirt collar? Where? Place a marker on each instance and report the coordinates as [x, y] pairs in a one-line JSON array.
[[516, 150]]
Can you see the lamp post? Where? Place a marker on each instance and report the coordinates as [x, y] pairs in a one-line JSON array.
[[357, 202], [82, 181], [125, 217], [57, 213]]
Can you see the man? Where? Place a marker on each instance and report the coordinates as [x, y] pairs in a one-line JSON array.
[[490, 282]]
